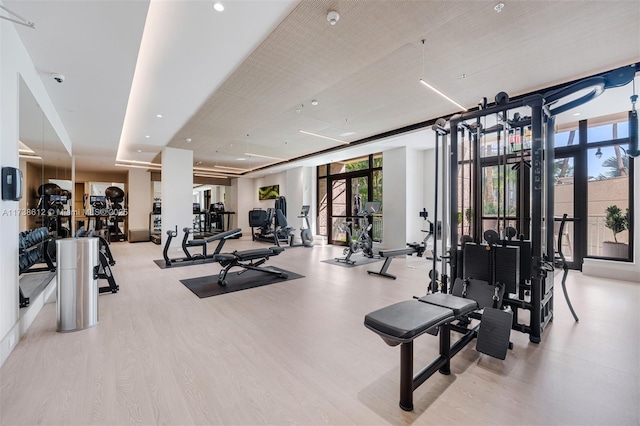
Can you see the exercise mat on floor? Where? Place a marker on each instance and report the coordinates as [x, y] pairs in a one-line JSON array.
[[359, 259], [236, 281], [163, 265]]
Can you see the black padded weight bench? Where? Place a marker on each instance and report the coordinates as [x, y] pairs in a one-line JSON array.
[[221, 238], [401, 323], [248, 260]]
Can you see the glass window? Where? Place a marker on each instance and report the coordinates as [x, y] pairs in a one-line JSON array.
[[564, 203], [607, 132], [608, 202], [377, 187], [323, 204], [567, 138], [377, 160], [493, 182]]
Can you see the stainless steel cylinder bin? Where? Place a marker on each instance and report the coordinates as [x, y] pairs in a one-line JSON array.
[[77, 290]]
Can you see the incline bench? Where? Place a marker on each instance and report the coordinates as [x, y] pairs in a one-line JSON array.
[[245, 260], [401, 323]]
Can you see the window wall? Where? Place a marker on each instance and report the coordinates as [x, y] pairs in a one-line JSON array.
[[344, 188], [594, 187]]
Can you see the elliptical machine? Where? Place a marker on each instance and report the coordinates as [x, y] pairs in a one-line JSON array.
[[305, 233]]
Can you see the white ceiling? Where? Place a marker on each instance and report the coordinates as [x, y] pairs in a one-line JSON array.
[[232, 81]]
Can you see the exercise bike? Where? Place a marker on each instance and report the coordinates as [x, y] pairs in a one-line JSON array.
[[305, 233], [363, 242]]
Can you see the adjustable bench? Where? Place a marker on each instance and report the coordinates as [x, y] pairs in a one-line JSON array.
[[401, 323], [388, 256], [221, 238], [247, 260]]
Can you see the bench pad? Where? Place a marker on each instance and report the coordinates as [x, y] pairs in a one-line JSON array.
[[253, 254], [459, 305], [404, 321]]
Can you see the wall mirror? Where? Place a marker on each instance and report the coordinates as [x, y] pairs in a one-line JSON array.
[[47, 196], [46, 167]]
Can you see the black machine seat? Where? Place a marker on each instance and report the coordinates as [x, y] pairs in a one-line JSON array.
[[404, 321], [459, 305]]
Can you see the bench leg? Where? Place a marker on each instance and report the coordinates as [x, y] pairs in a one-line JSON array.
[[383, 271], [406, 376], [445, 348]]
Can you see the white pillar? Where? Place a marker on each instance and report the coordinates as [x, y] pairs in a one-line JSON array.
[[394, 198], [139, 199], [295, 199], [177, 192]]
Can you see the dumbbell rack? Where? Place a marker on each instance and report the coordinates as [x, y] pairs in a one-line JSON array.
[[33, 249]]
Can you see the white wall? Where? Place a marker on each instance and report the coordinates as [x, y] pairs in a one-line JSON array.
[[139, 199], [177, 192], [310, 194], [394, 198], [295, 198], [415, 195], [268, 180], [15, 62], [242, 196]]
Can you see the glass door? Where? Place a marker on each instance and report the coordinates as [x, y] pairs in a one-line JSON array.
[[339, 211], [564, 203], [359, 196]]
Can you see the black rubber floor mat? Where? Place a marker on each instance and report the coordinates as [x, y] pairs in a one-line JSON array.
[[236, 281]]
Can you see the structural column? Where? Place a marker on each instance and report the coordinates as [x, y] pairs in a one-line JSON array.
[[177, 192]]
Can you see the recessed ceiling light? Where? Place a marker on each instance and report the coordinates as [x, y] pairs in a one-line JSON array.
[[198, 162], [147, 136], [241, 159], [314, 102], [188, 140], [139, 150], [347, 133], [498, 7], [218, 6], [159, 115], [576, 114]]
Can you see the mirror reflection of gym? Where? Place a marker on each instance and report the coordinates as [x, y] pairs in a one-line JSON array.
[[45, 208]]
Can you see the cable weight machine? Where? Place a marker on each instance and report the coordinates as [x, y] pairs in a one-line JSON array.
[[531, 168]]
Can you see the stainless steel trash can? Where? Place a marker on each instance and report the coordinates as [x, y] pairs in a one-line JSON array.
[[77, 290]]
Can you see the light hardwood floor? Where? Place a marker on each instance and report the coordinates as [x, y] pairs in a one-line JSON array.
[[297, 352]]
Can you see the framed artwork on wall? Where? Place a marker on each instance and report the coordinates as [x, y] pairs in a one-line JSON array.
[[270, 192]]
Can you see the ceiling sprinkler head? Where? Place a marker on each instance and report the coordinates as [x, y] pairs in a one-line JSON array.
[[333, 17], [498, 7]]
